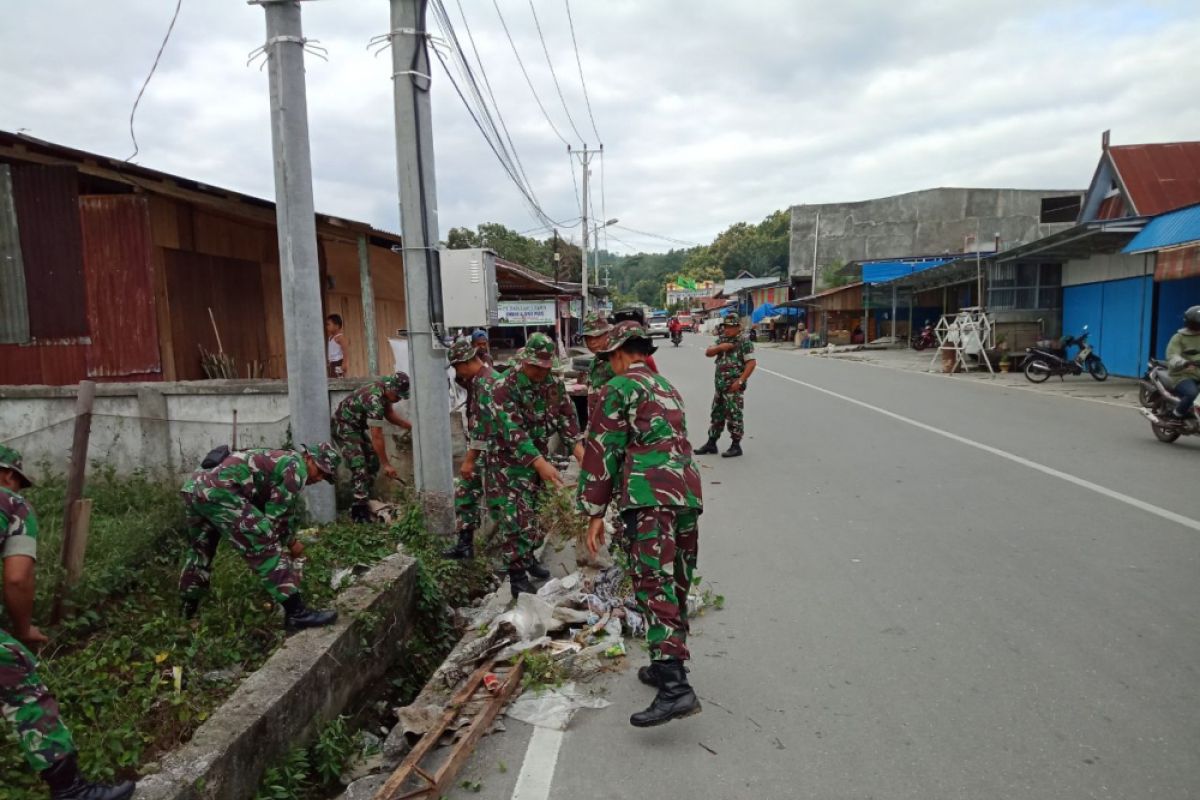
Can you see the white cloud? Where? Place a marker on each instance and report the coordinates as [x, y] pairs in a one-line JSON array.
[[711, 112]]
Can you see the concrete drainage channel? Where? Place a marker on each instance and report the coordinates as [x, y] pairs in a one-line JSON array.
[[310, 680]]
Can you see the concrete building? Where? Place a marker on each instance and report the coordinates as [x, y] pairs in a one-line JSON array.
[[684, 296], [924, 223]]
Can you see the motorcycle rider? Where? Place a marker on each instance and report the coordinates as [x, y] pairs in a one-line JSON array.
[[675, 327], [1183, 361]]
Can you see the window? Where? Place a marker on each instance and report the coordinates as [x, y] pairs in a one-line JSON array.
[[1025, 286]]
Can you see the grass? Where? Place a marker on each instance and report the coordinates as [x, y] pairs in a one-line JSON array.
[[111, 664]]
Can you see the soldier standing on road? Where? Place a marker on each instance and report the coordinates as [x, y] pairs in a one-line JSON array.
[[637, 455], [361, 443], [250, 498], [514, 435], [735, 363], [25, 701], [595, 336], [479, 380]]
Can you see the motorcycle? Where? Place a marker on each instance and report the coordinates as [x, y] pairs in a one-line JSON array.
[[1148, 393], [676, 337], [925, 338], [1042, 362], [1161, 387]]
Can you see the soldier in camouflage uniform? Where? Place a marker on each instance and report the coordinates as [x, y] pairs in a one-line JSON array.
[[734, 353], [515, 436], [637, 455], [361, 443], [251, 498], [595, 336], [552, 403], [478, 379], [26, 702]]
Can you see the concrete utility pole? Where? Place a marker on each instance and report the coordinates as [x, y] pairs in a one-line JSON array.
[[308, 384], [430, 407], [585, 158]]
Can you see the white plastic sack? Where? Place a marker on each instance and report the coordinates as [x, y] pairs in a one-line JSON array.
[[553, 708]]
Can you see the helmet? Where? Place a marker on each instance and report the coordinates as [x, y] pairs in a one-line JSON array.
[[1191, 318]]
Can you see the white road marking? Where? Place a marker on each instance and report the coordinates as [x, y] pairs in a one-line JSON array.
[[1112, 494], [537, 773]]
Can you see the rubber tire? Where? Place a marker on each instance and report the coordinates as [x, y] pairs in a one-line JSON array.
[[919, 345], [1147, 397], [1037, 376], [1097, 370], [1165, 434]]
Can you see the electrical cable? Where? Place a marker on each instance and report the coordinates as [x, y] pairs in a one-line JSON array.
[[582, 82], [526, 74], [145, 83], [433, 275], [683, 242], [537, 24]]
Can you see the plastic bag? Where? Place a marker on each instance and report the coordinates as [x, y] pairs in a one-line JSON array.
[[553, 708]]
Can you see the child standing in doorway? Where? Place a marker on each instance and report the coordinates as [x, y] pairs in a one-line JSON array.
[[335, 346]]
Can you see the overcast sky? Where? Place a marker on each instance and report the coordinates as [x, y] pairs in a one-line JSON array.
[[710, 111]]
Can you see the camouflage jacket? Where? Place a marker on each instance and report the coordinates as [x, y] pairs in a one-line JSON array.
[[359, 408], [637, 450], [731, 363], [483, 385], [18, 526], [557, 412], [509, 422], [269, 480], [599, 375]]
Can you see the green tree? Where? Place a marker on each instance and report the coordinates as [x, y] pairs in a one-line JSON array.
[[650, 292], [831, 276]]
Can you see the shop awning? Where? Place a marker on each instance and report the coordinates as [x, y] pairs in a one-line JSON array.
[[1168, 230], [768, 311], [885, 271]]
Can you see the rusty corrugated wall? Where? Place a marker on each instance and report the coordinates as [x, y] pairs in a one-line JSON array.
[[119, 272], [14, 310], [47, 203]]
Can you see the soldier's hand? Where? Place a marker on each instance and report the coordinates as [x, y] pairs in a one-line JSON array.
[[296, 548], [595, 535], [578, 453], [390, 472], [467, 469], [737, 385], [547, 472], [33, 637]]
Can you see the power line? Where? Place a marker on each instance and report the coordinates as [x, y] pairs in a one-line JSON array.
[[145, 83], [659, 236], [537, 23], [582, 82], [526, 74]]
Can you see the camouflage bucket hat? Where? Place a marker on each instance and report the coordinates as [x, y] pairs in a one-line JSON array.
[[595, 324], [732, 318], [539, 351], [461, 351], [11, 459], [326, 456], [621, 333], [397, 383]]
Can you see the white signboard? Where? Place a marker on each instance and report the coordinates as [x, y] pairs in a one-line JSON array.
[[526, 312]]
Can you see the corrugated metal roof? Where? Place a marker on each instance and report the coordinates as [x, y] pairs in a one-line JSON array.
[[1172, 265], [1168, 230], [1159, 177], [120, 286], [735, 285], [884, 271], [14, 309]]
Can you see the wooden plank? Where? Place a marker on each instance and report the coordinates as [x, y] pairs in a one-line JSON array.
[[482, 723]]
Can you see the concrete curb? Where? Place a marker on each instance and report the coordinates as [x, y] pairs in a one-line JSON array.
[[307, 682]]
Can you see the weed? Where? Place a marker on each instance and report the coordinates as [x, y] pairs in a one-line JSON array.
[[472, 786], [542, 671]]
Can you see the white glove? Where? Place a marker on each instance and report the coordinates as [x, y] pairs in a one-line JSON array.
[[1178, 362]]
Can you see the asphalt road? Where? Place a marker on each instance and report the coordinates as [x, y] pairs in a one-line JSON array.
[[953, 591]]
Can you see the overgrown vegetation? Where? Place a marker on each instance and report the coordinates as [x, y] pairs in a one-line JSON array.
[[113, 663]]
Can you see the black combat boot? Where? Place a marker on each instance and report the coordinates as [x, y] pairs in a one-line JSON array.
[[66, 783], [465, 549], [538, 572], [734, 450], [191, 608], [518, 581], [361, 512], [296, 616], [649, 675], [709, 448], [675, 698]]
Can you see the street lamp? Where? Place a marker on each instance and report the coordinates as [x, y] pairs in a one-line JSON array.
[[596, 257]]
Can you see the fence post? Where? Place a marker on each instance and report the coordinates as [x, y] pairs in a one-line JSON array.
[[75, 518]]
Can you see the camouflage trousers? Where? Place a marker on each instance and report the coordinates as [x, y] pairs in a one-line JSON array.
[[468, 496], [215, 512], [663, 544], [360, 458], [28, 705], [512, 498], [727, 409]]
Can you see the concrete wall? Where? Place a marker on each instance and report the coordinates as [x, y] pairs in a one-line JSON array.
[[1107, 267], [928, 222], [161, 428]]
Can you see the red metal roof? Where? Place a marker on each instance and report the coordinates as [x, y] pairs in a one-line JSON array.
[[1159, 177]]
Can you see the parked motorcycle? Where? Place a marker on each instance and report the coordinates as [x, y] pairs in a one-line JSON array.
[[1161, 387], [1042, 362], [925, 338]]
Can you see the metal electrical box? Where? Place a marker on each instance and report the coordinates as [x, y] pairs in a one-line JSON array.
[[469, 293]]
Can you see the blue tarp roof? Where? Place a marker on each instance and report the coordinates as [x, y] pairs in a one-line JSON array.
[[884, 271], [769, 310], [1167, 230]]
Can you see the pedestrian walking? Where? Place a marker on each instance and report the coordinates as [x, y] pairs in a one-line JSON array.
[[361, 443], [251, 498], [27, 704], [735, 362], [335, 346], [479, 380], [637, 456]]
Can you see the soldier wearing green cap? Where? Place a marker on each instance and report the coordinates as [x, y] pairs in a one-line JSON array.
[[637, 457], [25, 701], [361, 443], [735, 363], [251, 498], [595, 336], [478, 378], [552, 402]]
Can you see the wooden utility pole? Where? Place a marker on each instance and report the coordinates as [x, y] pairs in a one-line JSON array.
[[77, 512]]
